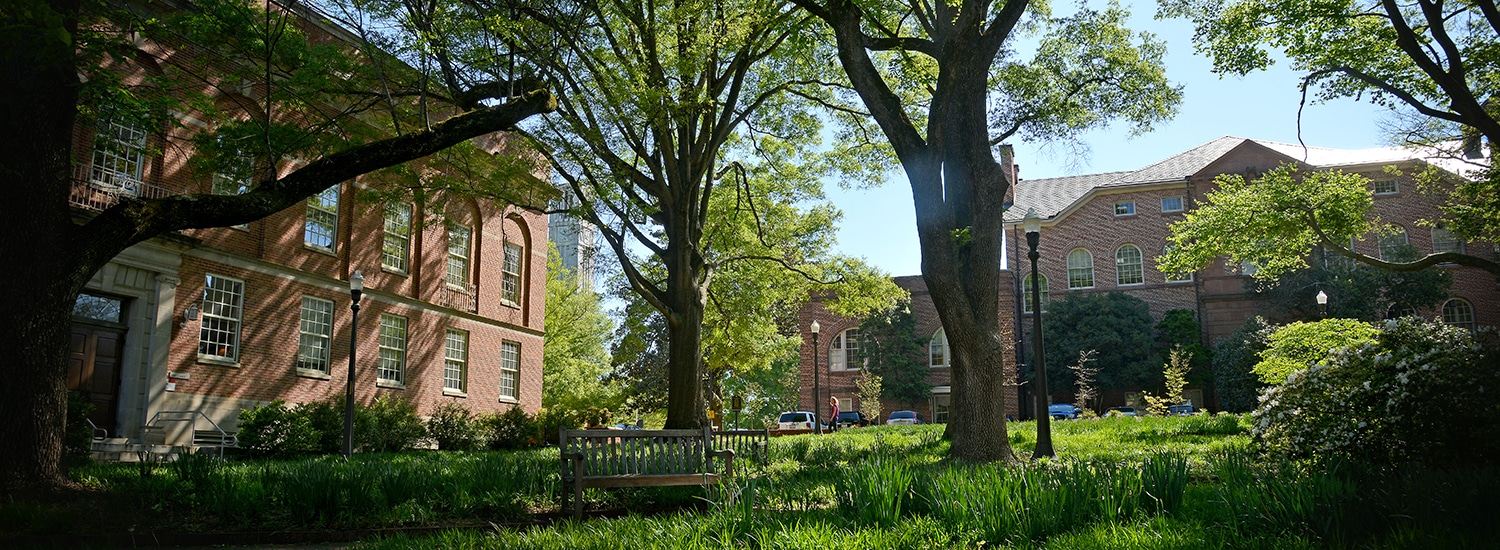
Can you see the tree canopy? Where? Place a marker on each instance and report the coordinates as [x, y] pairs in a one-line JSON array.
[[575, 353], [1116, 326], [895, 352]]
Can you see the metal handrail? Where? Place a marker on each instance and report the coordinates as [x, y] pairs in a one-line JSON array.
[[96, 431], [225, 438]]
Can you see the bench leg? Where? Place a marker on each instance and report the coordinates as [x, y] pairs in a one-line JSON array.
[[578, 498]]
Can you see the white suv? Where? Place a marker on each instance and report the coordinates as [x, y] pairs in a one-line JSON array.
[[796, 420]]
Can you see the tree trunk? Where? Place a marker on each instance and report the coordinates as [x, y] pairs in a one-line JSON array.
[[686, 297], [40, 91]]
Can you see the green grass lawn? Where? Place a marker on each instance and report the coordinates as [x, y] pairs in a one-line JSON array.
[[1194, 482]]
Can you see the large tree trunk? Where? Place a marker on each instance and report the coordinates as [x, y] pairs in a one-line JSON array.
[[40, 91], [686, 297]]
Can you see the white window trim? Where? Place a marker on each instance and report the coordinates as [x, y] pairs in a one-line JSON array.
[[236, 321], [1458, 246], [1468, 324], [1131, 205], [115, 151], [1044, 286], [1068, 262], [514, 371], [510, 278], [840, 346], [381, 379], [1395, 187], [390, 232], [316, 206], [310, 367], [939, 341], [1180, 204], [1140, 266], [460, 259], [461, 364]]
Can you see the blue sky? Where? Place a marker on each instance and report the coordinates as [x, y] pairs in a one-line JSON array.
[[879, 224]]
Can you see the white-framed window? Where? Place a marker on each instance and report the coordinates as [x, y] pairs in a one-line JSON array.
[[1171, 204], [937, 349], [510, 274], [1174, 277], [510, 369], [941, 404], [1444, 240], [1026, 292], [1459, 313], [119, 157], [844, 352], [1391, 245], [316, 329], [322, 219], [1124, 208], [456, 360], [1080, 269], [392, 367], [1385, 187], [395, 246], [1128, 269], [459, 239], [223, 308]]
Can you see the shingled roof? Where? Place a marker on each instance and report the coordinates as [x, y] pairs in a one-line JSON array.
[[1050, 196]]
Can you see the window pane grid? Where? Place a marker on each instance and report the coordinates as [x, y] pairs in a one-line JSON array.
[[396, 247], [1128, 270], [937, 349], [1458, 313], [316, 333], [1444, 240], [322, 218], [119, 154], [1080, 269], [510, 275], [392, 367], [219, 332], [458, 255], [1171, 204], [455, 359], [510, 368], [1391, 245], [1026, 293]]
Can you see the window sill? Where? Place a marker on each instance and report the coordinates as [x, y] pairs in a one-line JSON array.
[[314, 374], [448, 392], [511, 400], [1184, 281], [1132, 215], [319, 249], [1080, 288], [394, 271], [456, 288], [1124, 285], [389, 384], [218, 361], [510, 304], [937, 366]]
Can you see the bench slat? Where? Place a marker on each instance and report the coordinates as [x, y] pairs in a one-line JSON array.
[[650, 480]]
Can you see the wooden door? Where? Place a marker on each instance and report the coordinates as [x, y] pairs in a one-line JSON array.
[[94, 370]]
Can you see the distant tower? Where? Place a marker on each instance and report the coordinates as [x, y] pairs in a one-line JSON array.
[[575, 241]]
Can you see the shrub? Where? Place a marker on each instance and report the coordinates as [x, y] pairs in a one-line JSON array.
[[1233, 358], [1423, 393], [78, 437], [512, 429], [1298, 345], [453, 428], [327, 419], [388, 425], [275, 429]]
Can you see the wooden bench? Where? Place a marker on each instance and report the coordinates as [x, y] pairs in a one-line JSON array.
[[746, 444], [637, 458]]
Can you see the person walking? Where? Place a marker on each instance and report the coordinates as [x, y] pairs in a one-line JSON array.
[[833, 403]]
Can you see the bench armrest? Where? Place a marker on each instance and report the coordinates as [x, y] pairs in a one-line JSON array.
[[728, 456]]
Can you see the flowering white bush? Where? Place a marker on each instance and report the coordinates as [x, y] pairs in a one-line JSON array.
[[1422, 392]]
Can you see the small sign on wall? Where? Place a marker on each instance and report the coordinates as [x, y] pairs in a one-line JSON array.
[[171, 386]]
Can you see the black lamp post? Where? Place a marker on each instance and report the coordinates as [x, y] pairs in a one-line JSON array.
[[817, 391], [1033, 226], [1322, 298], [356, 288]]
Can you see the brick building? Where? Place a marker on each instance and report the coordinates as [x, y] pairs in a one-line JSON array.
[[1102, 233], [218, 320]]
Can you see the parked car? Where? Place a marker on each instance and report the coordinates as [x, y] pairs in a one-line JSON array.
[[1063, 411], [904, 418], [852, 419], [1120, 411], [795, 420], [1185, 409]]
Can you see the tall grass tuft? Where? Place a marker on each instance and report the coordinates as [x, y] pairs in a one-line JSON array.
[[874, 491], [1164, 477]]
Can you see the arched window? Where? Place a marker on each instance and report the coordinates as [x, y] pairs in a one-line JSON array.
[[1026, 292], [1444, 240], [1128, 266], [844, 352], [1459, 313], [1175, 277], [1393, 246], [937, 350], [1080, 269]]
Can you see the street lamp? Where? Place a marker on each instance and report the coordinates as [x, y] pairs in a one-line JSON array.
[[1033, 226], [1322, 298], [356, 288], [817, 392]]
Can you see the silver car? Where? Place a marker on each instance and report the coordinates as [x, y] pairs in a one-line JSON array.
[[904, 418]]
